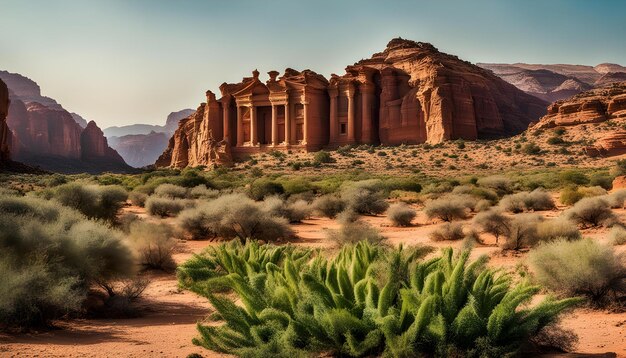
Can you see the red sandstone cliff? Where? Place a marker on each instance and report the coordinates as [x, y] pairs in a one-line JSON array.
[[5, 134]]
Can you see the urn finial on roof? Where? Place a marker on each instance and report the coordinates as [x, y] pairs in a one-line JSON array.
[[255, 74]]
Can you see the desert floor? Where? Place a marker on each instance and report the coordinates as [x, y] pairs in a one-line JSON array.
[[169, 315]]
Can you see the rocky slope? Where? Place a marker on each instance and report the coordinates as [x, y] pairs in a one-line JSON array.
[[5, 134], [604, 104], [141, 144], [48, 136], [556, 82]]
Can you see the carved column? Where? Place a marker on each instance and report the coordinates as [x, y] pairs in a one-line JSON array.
[[226, 123], [351, 126], [367, 92], [253, 125], [334, 122], [239, 127], [274, 125], [305, 124], [287, 124]]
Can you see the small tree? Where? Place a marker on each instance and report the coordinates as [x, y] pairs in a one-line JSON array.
[[494, 222]]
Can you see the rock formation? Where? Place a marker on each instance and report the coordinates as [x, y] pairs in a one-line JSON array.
[[409, 93], [5, 134], [557, 82], [94, 146], [140, 150]]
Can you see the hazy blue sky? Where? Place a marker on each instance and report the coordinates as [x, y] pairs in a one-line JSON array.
[[123, 62]]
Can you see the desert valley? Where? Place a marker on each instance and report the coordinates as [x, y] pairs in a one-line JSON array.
[[415, 205]]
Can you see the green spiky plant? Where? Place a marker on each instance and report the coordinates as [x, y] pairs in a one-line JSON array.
[[372, 300]]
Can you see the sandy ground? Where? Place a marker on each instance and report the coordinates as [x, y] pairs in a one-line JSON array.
[[168, 325]]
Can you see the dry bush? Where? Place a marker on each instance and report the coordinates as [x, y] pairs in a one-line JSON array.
[[137, 198], [94, 201], [559, 228], [170, 191], [591, 212], [591, 191], [351, 232], [263, 187], [571, 195], [582, 267], [449, 207], [292, 211], [202, 192], [617, 235], [617, 198], [401, 214], [154, 245], [501, 185], [478, 192], [493, 221], [164, 206], [535, 200], [447, 232], [483, 205], [522, 232], [329, 205], [364, 197]]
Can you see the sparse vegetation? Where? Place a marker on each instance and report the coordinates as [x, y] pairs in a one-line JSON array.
[[536, 200], [401, 214], [98, 202], [448, 208], [591, 212], [163, 206], [447, 232], [329, 205]]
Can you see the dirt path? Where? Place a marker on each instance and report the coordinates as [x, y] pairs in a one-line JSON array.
[[169, 323]]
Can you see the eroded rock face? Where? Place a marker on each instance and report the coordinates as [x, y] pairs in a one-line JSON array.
[[594, 106], [94, 146], [5, 134], [140, 150]]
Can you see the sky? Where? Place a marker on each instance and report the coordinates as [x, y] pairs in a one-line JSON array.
[[135, 61]]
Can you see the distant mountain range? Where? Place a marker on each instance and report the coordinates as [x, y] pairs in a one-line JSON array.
[[555, 82]]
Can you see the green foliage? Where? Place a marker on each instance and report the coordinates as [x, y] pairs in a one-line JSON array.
[[163, 207], [263, 187], [324, 157], [170, 191], [329, 205], [582, 267], [531, 149], [98, 202], [574, 177], [366, 301]]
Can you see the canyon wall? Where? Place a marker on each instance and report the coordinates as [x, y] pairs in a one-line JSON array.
[[5, 134]]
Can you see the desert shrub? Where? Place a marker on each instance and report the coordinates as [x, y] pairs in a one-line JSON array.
[[298, 185], [99, 202], [170, 191], [401, 214], [370, 300], [447, 232], [406, 184], [589, 192], [522, 232], [559, 228], [437, 188], [482, 205], [232, 216], [323, 157], [365, 197], [161, 206], [263, 187], [493, 221], [602, 180], [352, 231], [502, 185], [292, 211], [574, 177], [482, 193], [535, 200], [531, 148], [137, 198], [589, 212], [329, 205], [51, 256], [153, 245], [617, 235], [617, 198], [570, 195], [202, 192], [582, 267], [448, 207]]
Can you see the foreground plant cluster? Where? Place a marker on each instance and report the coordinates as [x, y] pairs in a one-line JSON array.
[[366, 300]]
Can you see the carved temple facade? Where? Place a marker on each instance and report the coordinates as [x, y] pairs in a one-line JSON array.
[[304, 111]]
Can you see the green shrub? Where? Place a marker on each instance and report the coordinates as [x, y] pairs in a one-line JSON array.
[[263, 187], [447, 232], [153, 244], [51, 256], [601, 180], [202, 192], [137, 198], [370, 301], [324, 157], [591, 212], [364, 197], [448, 208], [531, 149], [162, 206], [559, 228], [329, 205], [478, 192], [535, 200], [98, 202], [522, 232], [582, 267], [170, 191], [502, 185], [570, 195], [401, 214], [574, 177]]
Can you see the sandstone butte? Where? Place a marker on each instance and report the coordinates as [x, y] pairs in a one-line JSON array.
[[593, 106], [409, 93], [5, 135]]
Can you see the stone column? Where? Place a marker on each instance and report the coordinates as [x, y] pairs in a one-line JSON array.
[[253, 125], [305, 124], [239, 127], [367, 92], [334, 122], [287, 124], [274, 125], [351, 126], [226, 123]]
